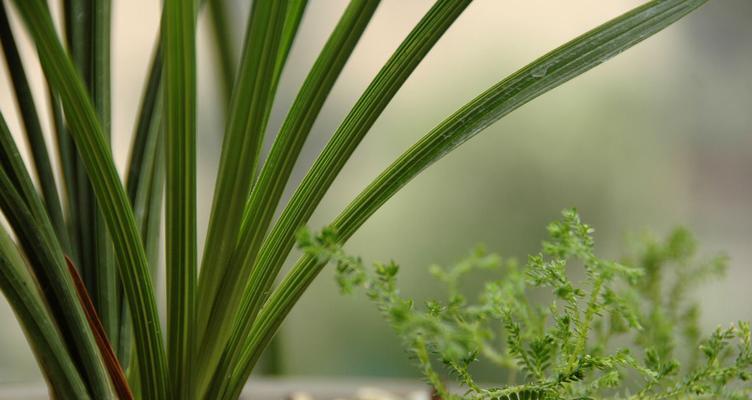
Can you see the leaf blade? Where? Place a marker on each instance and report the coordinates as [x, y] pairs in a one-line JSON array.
[[179, 35], [249, 110], [267, 191], [33, 129], [89, 137], [344, 141], [115, 371], [561, 65], [19, 289], [25, 214]]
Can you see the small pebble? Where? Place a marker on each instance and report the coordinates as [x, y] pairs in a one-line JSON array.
[[300, 396], [370, 393]]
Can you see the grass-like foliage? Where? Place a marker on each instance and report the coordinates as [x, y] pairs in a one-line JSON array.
[[101, 336], [599, 329]]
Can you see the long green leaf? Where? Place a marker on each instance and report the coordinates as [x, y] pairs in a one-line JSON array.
[[144, 184], [249, 111], [24, 211], [104, 283], [76, 18], [33, 129], [46, 341], [65, 150], [148, 209], [179, 35], [79, 39], [143, 134], [87, 26], [90, 141], [226, 57], [344, 141], [277, 168], [539, 77], [293, 16]]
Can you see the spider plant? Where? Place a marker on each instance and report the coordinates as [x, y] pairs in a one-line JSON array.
[[77, 265]]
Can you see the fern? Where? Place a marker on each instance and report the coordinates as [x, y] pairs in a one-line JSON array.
[[563, 347]]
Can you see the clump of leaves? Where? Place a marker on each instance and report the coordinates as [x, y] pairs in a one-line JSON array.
[[222, 309], [604, 329]]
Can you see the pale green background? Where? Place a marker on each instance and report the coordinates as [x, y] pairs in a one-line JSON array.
[[659, 136]]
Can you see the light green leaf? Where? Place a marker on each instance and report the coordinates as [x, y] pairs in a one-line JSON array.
[[246, 124], [328, 165], [537, 78], [276, 171]]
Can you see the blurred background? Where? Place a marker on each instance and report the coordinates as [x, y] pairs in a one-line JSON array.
[[658, 137]]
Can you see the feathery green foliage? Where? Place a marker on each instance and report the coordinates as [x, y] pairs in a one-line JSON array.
[[606, 329], [221, 318]]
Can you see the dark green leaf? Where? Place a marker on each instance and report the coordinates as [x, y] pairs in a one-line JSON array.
[[45, 339], [33, 129], [89, 137], [179, 35], [25, 214]]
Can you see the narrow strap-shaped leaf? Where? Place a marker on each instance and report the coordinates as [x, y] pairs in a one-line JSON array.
[[117, 376], [76, 24], [344, 141], [293, 16], [24, 211], [179, 35], [101, 21], [77, 16], [46, 341], [138, 181], [221, 237], [148, 209], [104, 289], [65, 150], [276, 171], [33, 129], [249, 111], [226, 57], [90, 141], [541, 76], [18, 176], [87, 27], [144, 184], [149, 112]]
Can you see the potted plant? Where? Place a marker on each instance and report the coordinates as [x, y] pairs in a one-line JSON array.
[[77, 266]]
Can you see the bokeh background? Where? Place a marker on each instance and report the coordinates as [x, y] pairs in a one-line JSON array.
[[657, 137]]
